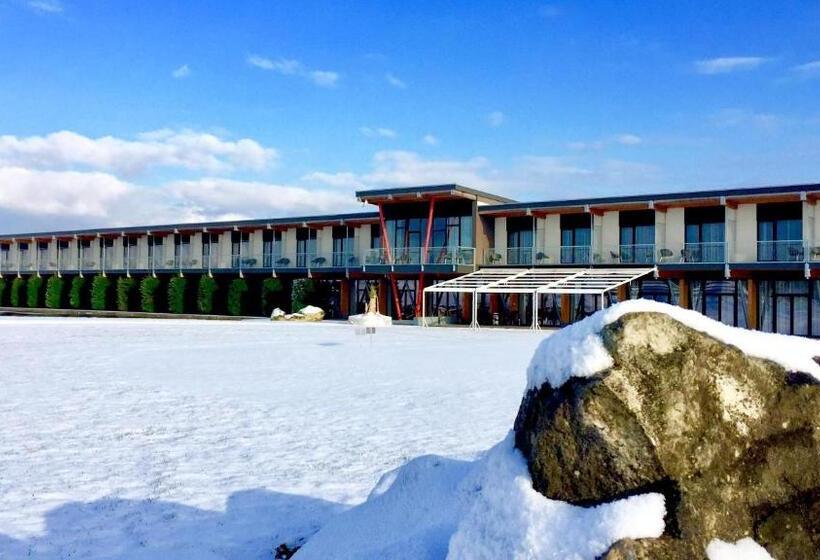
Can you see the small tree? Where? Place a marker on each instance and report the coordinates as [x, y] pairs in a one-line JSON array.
[[237, 288], [54, 292], [2, 290], [99, 292], [205, 294], [75, 294], [176, 294], [16, 296], [125, 286], [148, 289], [34, 290], [270, 286], [304, 293]]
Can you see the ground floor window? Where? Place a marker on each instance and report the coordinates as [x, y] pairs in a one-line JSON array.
[[446, 304], [789, 307], [723, 300], [665, 291]]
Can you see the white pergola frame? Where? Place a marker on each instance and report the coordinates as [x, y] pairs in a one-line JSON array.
[[535, 281]]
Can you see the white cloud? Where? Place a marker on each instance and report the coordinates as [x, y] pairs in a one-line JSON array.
[[378, 132], [496, 118], [167, 148], [808, 70], [181, 72], [733, 117], [394, 81], [46, 6], [101, 199], [343, 179], [629, 139], [430, 140], [290, 67], [726, 64]]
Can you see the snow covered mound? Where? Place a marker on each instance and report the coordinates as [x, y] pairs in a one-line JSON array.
[[578, 350], [434, 508], [371, 320]]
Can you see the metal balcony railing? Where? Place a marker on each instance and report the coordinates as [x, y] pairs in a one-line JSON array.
[[449, 255], [626, 254], [782, 251]]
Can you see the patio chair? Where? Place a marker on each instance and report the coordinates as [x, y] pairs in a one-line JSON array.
[[318, 261], [541, 258], [665, 255], [493, 258], [795, 253], [616, 258], [284, 261], [815, 253]]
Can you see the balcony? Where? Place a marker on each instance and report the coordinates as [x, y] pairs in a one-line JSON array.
[[416, 256], [538, 256], [702, 253], [783, 251], [626, 254]]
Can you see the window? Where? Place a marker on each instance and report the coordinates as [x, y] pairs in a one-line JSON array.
[[155, 251], [519, 240], [210, 249], [780, 232], [705, 234], [785, 306], [107, 246], [343, 253], [182, 250], [722, 300], [637, 237], [240, 248], [305, 246], [576, 238]]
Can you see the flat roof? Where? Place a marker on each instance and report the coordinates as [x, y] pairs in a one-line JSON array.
[[452, 189], [656, 197], [220, 225]]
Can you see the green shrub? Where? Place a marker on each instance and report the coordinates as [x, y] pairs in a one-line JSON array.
[[99, 292], [75, 294], [303, 294], [33, 290], [2, 290], [176, 294], [125, 286], [270, 286], [148, 289], [54, 292], [237, 288], [205, 294], [15, 298]]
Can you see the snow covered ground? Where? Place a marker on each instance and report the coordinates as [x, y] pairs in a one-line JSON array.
[[135, 439]]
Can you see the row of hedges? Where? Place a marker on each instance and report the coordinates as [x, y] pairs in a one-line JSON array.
[[129, 294]]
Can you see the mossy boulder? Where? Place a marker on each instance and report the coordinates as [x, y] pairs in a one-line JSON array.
[[732, 441]]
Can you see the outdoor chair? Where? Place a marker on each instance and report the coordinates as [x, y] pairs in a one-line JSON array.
[[284, 261], [665, 255], [815, 253], [318, 261], [795, 253], [616, 258], [494, 258], [541, 258], [352, 261]]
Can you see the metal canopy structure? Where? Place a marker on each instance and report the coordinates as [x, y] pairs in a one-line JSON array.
[[536, 281]]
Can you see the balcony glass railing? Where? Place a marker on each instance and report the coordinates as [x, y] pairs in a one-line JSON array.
[[452, 255], [626, 254], [781, 251]]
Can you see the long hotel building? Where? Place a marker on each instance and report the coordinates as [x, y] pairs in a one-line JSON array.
[[749, 257]]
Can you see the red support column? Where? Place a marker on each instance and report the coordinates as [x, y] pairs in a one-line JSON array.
[[344, 297], [388, 253]]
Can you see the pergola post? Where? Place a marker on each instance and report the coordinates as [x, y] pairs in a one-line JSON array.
[[535, 301], [474, 318]]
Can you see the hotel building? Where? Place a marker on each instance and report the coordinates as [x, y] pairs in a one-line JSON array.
[[749, 257]]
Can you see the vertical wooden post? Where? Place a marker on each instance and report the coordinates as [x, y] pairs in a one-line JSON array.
[[344, 297], [383, 295], [683, 293], [623, 292], [751, 303], [467, 308], [566, 312]]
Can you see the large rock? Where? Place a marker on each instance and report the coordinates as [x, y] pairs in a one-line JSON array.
[[733, 442]]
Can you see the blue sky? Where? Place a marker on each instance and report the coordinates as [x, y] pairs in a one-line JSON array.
[[276, 108]]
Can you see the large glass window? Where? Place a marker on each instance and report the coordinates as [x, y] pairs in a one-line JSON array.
[[637, 237], [780, 232], [240, 249], [305, 246], [705, 234], [722, 300], [576, 238], [519, 240], [129, 252], [343, 253], [785, 306]]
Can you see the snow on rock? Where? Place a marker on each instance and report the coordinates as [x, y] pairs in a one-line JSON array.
[[371, 320], [578, 351], [744, 549], [434, 508]]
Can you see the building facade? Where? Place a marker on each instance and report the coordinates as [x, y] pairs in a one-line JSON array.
[[747, 257]]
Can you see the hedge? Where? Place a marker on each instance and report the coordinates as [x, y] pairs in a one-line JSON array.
[[176, 294], [237, 288], [75, 294], [304, 294], [16, 287], [205, 294], [54, 292], [125, 286], [2, 290], [270, 286], [99, 292], [148, 289], [33, 290]]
